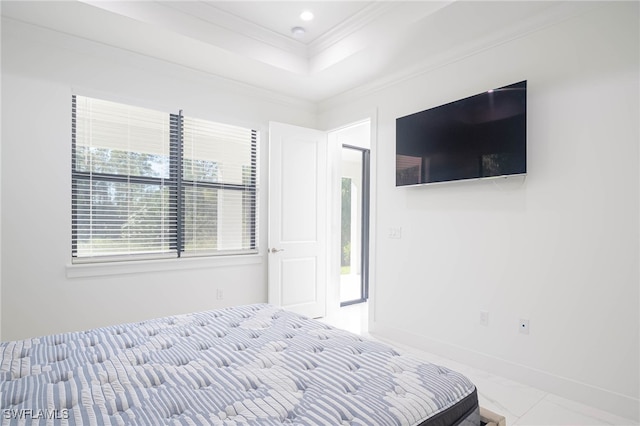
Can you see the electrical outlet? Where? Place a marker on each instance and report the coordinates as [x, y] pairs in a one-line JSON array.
[[219, 294], [484, 318], [523, 325]]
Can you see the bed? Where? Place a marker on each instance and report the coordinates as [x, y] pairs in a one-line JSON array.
[[246, 365]]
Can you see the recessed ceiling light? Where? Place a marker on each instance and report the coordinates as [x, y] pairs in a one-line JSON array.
[[298, 31], [306, 15]]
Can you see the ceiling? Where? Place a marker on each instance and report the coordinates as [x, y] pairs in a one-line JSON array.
[[349, 45], [281, 16]]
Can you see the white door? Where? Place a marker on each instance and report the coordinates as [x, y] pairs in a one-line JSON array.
[[297, 219]]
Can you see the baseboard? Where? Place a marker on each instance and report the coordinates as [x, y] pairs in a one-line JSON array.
[[584, 393]]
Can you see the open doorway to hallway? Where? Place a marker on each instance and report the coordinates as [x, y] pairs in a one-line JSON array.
[[351, 187]]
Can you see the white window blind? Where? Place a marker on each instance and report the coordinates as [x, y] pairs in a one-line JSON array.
[[147, 184], [219, 181]]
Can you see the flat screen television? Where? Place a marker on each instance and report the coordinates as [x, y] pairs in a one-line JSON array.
[[482, 136]]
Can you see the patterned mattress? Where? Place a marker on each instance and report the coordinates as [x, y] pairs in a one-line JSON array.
[[247, 365]]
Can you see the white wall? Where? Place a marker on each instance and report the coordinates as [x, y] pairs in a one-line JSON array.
[[41, 294], [560, 248]]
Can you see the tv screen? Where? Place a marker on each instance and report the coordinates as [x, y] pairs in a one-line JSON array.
[[481, 136]]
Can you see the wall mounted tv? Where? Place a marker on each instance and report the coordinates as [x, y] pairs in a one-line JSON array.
[[482, 136]]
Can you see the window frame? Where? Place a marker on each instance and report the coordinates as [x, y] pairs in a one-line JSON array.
[[365, 206]]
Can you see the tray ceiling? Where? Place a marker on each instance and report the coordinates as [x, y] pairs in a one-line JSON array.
[[349, 44]]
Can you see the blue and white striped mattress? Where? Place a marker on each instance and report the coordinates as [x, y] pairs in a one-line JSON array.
[[247, 365]]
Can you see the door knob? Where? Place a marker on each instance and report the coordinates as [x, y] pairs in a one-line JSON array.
[[275, 250]]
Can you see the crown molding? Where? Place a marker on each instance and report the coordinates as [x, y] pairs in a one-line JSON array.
[[237, 26], [205, 23], [349, 26], [553, 16]]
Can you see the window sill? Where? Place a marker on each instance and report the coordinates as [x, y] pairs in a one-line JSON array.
[[144, 266]]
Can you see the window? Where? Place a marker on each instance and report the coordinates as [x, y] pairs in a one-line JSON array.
[[150, 185]]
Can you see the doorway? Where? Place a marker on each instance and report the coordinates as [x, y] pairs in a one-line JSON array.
[[305, 242], [352, 178]]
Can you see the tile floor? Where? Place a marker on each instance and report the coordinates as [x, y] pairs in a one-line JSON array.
[[521, 405]]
